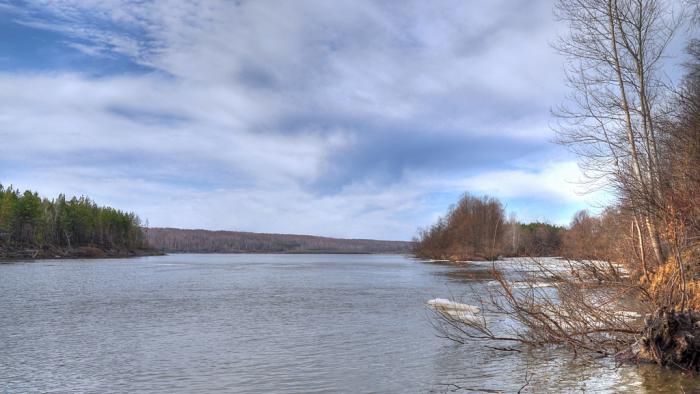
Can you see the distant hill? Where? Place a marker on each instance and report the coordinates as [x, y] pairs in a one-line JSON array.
[[205, 241]]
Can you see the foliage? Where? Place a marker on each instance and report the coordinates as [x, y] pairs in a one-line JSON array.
[[28, 221], [540, 239], [475, 229], [204, 241], [663, 286], [472, 229]]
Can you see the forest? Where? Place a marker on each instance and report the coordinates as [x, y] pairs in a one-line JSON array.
[[32, 226], [476, 228], [204, 241]]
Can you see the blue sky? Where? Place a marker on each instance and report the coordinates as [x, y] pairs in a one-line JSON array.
[[340, 118]]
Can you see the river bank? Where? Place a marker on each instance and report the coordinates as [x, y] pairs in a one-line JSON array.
[[81, 252]]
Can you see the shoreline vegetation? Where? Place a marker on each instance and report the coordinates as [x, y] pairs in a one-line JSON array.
[[173, 240], [32, 227], [475, 229], [630, 288], [80, 252]]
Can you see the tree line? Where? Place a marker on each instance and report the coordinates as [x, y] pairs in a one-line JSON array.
[[204, 241], [477, 228], [28, 221]]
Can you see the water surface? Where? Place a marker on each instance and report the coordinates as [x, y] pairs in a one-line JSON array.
[[264, 323]]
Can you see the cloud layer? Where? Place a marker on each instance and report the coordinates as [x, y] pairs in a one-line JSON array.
[[353, 119]]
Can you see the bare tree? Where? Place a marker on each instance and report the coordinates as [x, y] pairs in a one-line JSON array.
[[576, 306], [613, 50], [472, 229], [640, 137]]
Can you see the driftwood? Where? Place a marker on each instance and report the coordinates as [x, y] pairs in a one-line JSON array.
[[669, 339]]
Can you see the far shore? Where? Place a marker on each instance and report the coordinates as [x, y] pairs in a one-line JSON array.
[[88, 252], [82, 252]]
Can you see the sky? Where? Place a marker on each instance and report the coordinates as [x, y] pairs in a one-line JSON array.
[[358, 119]]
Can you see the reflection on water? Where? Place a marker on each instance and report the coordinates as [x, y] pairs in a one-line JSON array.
[[264, 323]]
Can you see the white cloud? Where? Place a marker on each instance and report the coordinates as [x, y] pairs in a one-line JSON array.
[[69, 115], [559, 180], [250, 105]]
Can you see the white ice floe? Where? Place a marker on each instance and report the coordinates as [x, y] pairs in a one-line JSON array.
[[449, 306], [528, 285], [465, 313], [521, 284], [563, 319], [550, 264], [466, 317]]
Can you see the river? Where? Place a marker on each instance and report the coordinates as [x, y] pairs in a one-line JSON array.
[[265, 323]]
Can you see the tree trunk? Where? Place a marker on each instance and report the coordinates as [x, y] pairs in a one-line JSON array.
[[642, 252], [655, 240]]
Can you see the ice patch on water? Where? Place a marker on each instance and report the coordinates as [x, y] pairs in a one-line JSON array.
[[448, 305], [533, 285]]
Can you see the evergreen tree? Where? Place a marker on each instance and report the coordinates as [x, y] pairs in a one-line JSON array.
[[28, 221]]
